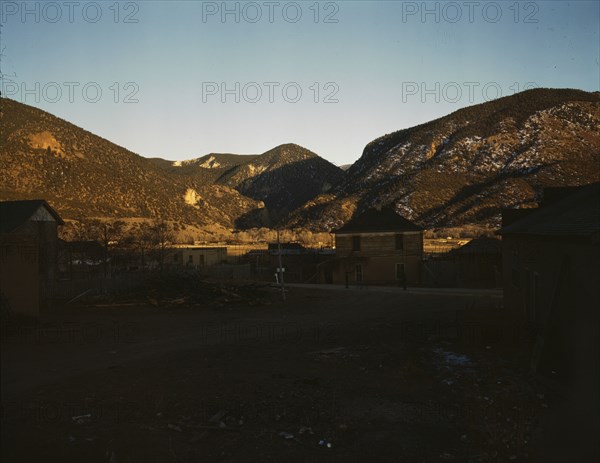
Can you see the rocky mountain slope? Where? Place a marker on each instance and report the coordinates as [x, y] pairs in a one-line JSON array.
[[283, 178], [464, 167], [206, 169], [83, 175]]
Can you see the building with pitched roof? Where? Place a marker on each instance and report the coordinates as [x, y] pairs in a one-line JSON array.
[[551, 275], [478, 263], [28, 255], [552, 283], [378, 246]]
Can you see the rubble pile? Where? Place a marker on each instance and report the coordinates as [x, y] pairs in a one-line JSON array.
[[168, 290]]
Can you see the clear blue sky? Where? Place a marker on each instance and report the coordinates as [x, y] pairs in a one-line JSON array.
[[386, 62]]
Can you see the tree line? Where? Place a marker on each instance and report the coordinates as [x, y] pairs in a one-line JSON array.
[[127, 247]]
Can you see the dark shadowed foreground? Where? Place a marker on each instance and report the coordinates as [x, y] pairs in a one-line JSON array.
[[338, 375]]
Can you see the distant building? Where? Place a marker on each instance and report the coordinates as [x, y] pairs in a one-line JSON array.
[[301, 264], [377, 247], [551, 277], [196, 256], [478, 263], [286, 249], [28, 255]]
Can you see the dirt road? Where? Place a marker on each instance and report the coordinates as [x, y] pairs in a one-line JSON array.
[[325, 376]]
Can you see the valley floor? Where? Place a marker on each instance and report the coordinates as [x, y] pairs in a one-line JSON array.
[[345, 376]]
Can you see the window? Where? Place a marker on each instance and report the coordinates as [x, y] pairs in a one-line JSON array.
[[359, 273], [399, 242], [190, 259], [400, 273], [356, 243]]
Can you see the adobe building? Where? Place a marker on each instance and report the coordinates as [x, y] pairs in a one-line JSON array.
[[378, 246], [28, 255], [196, 257]]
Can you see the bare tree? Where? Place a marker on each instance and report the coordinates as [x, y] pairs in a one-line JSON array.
[[110, 234], [144, 244], [162, 236]]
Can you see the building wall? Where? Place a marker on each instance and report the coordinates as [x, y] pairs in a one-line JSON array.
[[376, 270], [439, 271], [479, 270], [197, 257], [553, 285], [299, 268], [44, 228], [532, 267], [378, 244], [46, 232], [19, 274]]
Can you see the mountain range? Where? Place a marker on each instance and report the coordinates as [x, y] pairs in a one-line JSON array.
[[464, 167], [84, 175], [459, 169]]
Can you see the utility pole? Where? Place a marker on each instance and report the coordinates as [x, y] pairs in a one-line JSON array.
[[280, 269]]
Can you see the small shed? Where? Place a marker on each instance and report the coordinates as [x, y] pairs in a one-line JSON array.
[[28, 255]]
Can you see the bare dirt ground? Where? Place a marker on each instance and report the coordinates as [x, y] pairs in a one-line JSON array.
[[354, 375]]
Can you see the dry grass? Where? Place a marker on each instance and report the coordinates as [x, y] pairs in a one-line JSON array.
[[440, 245]]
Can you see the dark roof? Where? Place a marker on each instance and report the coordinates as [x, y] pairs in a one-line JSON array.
[[481, 245], [510, 216], [578, 214], [13, 214], [200, 248], [89, 247], [384, 220], [295, 246], [550, 195]]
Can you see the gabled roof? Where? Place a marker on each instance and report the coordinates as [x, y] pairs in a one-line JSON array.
[[13, 214], [481, 245], [373, 221], [294, 246], [578, 214]]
